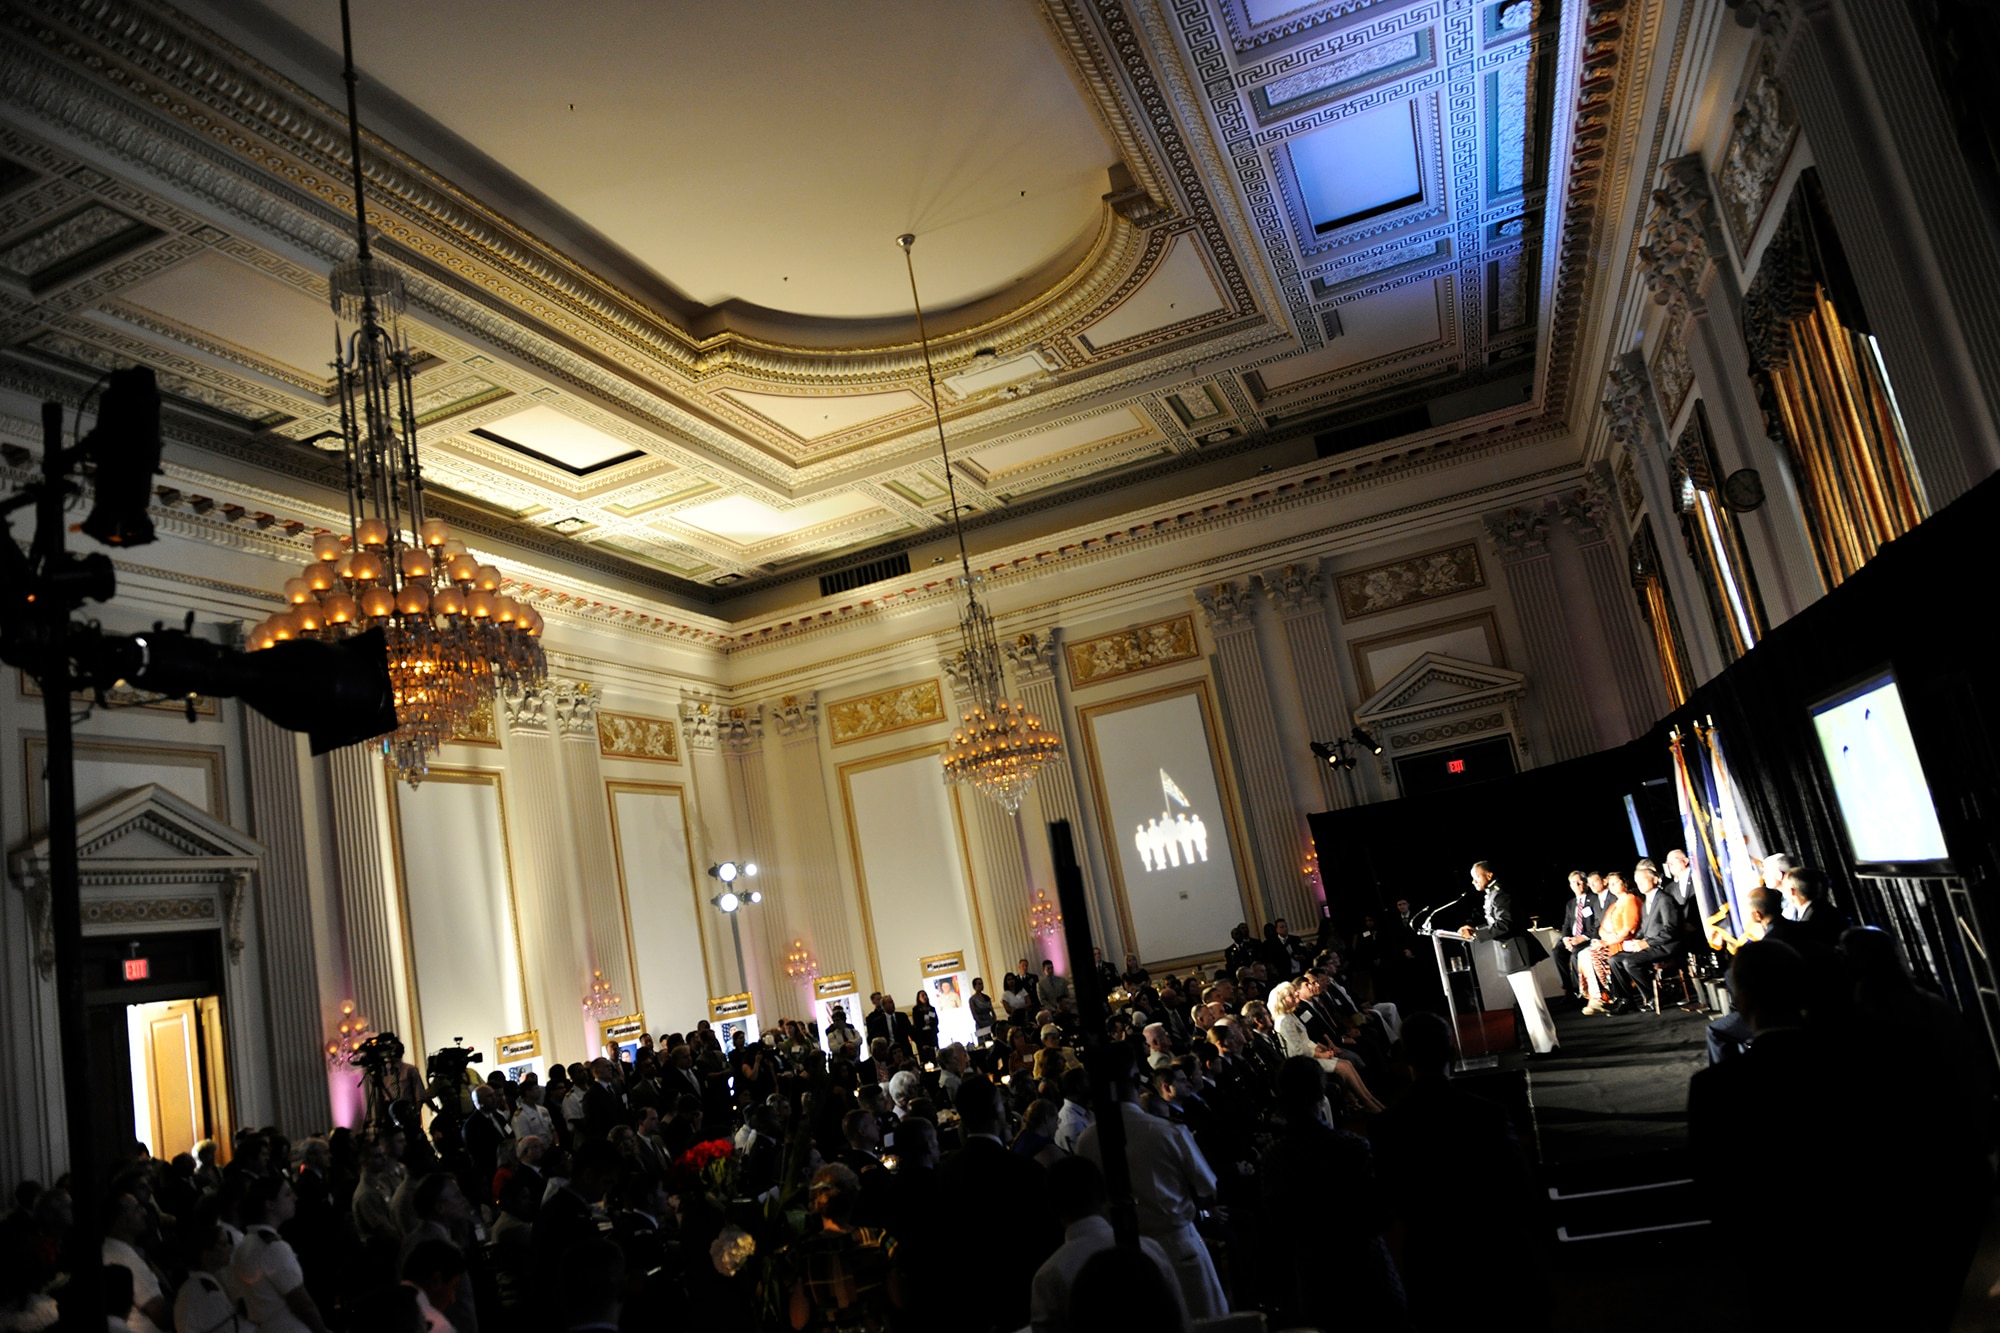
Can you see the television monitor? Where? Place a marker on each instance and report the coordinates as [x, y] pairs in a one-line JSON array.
[[1878, 780]]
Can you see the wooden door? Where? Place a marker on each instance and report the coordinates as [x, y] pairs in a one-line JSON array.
[[173, 1059]]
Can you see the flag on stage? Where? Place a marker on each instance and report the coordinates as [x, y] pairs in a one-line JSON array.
[[1697, 826], [1739, 850]]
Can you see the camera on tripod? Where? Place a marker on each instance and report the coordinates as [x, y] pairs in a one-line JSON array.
[[447, 1064], [379, 1054]]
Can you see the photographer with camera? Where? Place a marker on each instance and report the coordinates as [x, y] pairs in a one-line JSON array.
[[386, 1077]]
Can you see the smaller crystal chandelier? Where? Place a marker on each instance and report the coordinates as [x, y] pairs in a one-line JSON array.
[[799, 964], [601, 1002], [1000, 746], [452, 637], [1043, 918], [353, 1031]]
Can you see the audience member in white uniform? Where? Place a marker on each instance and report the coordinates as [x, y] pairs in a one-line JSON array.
[[204, 1305], [265, 1269], [1169, 1178], [124, 1223], [1076, 1190]]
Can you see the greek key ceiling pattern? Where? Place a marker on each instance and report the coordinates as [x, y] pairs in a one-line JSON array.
[[1305, 223]]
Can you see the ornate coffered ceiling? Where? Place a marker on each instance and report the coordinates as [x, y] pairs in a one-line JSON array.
[[660, 330]]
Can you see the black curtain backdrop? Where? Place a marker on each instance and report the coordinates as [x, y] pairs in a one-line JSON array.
[[1924, 607], [1535, 827]]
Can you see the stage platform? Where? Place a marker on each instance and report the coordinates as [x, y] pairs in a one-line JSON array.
[[1615, 1086]]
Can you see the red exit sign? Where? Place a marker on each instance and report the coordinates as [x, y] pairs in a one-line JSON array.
[[137, 969], [1454, 766]]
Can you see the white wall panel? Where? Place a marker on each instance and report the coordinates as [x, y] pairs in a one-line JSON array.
[[910, 860], [1153, 762], [458, 906], [662, 904]]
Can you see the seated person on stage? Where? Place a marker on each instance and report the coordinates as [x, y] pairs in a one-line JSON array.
[[1621, 922], [1729, 1034], [1658, 943], [1579, 925], [1291, 1034]]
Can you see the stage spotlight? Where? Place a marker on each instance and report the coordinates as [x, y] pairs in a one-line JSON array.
[[755, 897], [726, 871], [1325, 751], [750, 869], [728, 902], [337, 693], [1363, 738], [125, 446]]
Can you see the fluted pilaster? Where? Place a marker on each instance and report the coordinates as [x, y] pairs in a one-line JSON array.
[[553, 930], [812, 864], [575, 717], [368, 909], [762, 924], [1298, 595], [1036, 657], [1520, 538], [1277, 834], [1590, 516], [284, 925]]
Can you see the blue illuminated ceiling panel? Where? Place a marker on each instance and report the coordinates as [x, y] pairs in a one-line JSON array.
[[1359, 167]]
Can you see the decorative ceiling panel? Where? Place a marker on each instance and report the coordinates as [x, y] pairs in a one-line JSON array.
[[1293, 212]]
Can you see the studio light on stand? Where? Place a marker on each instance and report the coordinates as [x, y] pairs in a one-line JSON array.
[[733, 900], [1344, 752], [337, 694]]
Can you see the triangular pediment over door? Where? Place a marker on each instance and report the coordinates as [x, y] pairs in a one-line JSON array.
[[1439, 701], [146, 858]]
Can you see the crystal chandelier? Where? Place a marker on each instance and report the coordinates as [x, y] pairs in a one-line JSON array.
[[353, 1031], [1000, 747], [601, 1003], [453, 638]]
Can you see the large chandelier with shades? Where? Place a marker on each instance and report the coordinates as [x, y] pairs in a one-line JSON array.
[[1000, 747], [453, 638]]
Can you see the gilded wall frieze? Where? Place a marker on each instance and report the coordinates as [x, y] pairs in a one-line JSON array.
[[1109, 656], [898, 709], [632, 736], [1400, 583]]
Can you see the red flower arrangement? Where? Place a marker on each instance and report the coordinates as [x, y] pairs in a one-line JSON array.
[[692, 1166]]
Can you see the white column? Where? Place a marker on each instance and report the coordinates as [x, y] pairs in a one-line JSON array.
[[1036, 657], [376, 967], [596, 858], [762, 924], [1298, 595], [293, 1005], [1520, 538], [818, 904], [1278, 838], [712, 834], [1591, 516], [552, 929], [1000, 842]]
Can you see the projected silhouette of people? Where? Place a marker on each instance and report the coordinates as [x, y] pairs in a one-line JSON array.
[[1145, 845]]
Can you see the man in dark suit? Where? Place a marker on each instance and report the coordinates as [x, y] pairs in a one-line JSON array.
[[984, 1179], [1515, 952], [1817, 919], [486, 1129], [681, 1078], [1658, 943], [603, 1108], [1730, 1034], [1579, 927], [889, 1025]]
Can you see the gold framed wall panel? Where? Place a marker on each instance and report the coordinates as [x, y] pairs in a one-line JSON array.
[[846, 774], [612, 787], [418, 1041], [211, 759], [1239, 842], [1360, 649]]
